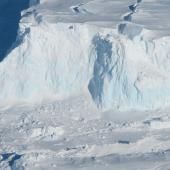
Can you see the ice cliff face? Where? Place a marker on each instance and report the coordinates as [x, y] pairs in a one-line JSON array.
[[62, 55]]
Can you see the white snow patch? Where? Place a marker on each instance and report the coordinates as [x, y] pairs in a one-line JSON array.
[[49, 132]]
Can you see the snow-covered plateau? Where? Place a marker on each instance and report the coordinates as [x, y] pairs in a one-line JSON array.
[[86, 85]]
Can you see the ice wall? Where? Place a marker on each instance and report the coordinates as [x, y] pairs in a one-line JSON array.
[[118, 69]]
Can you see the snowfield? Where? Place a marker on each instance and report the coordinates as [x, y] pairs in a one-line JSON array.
[[86, 85]]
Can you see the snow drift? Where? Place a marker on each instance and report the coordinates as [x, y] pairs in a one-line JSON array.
[[121, 67]]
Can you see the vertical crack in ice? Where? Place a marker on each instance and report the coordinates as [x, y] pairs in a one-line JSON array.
[[108, 72], [139, 94], [102, 68]]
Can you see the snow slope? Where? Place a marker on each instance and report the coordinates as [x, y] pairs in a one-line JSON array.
[[111, 50]]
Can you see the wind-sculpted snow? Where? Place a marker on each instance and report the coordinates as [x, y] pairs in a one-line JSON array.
[[67, 49]]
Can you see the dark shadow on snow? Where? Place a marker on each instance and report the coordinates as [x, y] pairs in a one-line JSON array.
[[12, 158], [103, 48]]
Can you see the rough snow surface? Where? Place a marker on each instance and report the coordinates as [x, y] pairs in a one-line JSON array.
[[73, 134]]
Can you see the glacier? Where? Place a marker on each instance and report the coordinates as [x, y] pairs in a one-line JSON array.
[[85, 85], [115, 57]]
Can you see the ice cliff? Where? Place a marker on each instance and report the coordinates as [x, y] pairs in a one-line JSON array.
[[68, 49]]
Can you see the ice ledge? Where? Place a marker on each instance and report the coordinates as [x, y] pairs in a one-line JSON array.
[[120, 68], [63, 60]]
